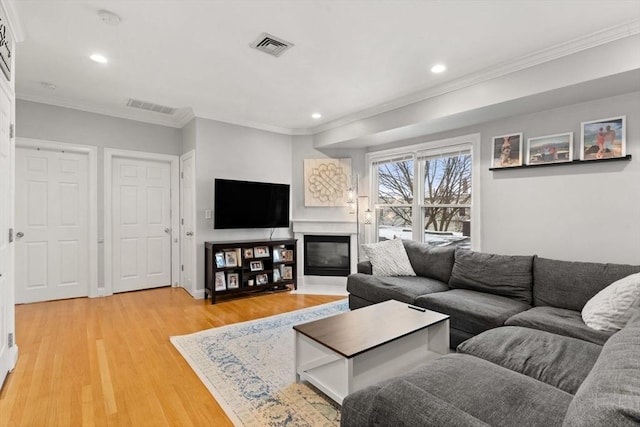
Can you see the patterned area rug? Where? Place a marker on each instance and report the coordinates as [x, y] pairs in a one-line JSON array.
[[249, 369]]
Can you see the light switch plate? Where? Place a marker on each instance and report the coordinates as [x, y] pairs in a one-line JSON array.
[[207, 214]]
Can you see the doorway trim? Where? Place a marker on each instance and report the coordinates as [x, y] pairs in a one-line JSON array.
[[193, 265], [174, 162], [92, 153]]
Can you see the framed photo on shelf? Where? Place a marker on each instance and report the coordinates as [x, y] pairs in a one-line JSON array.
[[603, 139], [248, 253], [233, 281], [287, 255], [221, 284], [262, 279], [287, 272], [276, 275], [230, 259], [220, 262], [507, 150], [550, 149], [261, 251], [277, 255], [256, 266]]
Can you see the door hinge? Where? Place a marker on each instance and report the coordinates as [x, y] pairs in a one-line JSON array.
[[182, 267], [10, 235], [182, 221], [11, 130], [182, 175], [10, 339]]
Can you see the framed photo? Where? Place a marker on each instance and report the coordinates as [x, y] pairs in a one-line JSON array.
[[550, 149], [220, 260], [507, 150], [233, 281], [276, 275], [261, 251], [248, 253], [603, 139], [256, 266], [277, 255], [287, 255], [230, 259], [221, 284], [262, 279], [287, 272]]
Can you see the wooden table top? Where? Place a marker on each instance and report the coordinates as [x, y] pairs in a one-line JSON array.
[[357, 331]]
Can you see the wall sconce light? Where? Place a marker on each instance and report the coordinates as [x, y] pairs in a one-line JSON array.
[[368, 217]]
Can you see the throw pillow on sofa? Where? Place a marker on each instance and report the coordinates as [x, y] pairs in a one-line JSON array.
[[388, 258], [611, 308]]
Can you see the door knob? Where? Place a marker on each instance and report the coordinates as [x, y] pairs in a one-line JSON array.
[[19, 234], [189, 233], [167, 230]]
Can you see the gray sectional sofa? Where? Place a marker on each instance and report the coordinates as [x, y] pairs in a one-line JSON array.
[[524, 356]]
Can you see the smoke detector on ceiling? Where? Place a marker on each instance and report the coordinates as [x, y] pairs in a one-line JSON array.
[[109, 18], [271, 44], [150, 106]]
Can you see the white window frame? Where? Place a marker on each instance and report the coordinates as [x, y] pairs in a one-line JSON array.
[[469, 142]]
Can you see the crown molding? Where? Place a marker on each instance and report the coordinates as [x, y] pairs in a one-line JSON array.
[[241, 122], [14, 19], [560, 50]]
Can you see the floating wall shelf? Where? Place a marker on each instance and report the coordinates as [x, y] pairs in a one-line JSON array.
[[573, 162]]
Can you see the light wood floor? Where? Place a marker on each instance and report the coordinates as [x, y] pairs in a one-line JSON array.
[[108, 361]]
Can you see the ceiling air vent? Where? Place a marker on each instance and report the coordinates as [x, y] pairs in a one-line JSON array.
[[271, 44], [150, 106]]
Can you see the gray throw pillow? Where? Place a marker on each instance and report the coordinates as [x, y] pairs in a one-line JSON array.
[[388, 258]]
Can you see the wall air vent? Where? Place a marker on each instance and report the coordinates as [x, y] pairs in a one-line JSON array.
[[150, 106], [271, 44]]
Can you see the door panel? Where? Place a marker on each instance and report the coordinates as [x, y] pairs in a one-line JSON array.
[[52, 207], [141, 198], [187, 208], [6, 207]]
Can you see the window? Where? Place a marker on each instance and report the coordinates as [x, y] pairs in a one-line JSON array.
[[425, 192]]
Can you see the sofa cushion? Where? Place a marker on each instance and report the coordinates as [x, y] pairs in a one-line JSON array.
[[610, 309], [560, 361], [382, 288], [558, 321], [388, 258], [472, 312], [457, 390], [508, 276], [610, 396], [429, 261], [570, 285]]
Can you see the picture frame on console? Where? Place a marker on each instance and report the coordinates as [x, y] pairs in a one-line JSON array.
[[262, 279], [287, 255], [276, 275], [256, 266], [221, 284], [603, 138], [220, 262], [230, 259], [233, 281], [507, 150], [261, 251], [248, 253], [548, 149]]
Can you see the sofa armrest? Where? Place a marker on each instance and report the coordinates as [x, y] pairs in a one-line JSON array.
[[364, 267]]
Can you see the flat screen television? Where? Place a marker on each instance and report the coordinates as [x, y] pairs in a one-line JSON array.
[[246, 204]]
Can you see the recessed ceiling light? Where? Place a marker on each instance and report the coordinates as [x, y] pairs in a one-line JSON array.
[[316, 115], [438, 68], [98, 58]]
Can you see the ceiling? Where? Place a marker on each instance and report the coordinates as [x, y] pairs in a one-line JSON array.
[[348, 56]]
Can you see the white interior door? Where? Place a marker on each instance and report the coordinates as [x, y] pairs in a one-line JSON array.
[[187, 213], [52, 224], [6, 207], [141, 215]]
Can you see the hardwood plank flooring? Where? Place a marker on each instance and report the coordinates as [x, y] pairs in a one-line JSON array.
[[108, 361]]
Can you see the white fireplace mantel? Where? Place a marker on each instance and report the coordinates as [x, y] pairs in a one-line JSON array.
[[324, 284]]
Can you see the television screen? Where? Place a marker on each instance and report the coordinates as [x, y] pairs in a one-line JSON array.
[[245, 204]]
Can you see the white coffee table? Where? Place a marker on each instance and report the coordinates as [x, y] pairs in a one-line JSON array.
[[349, 351]]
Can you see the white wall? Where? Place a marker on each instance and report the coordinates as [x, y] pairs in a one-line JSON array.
[[235, 152], [585, 212], [52, 123]]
